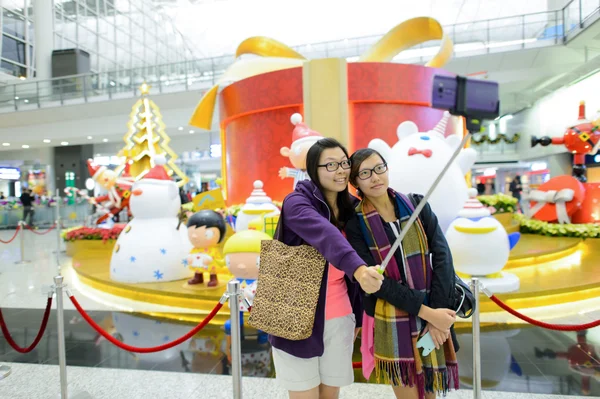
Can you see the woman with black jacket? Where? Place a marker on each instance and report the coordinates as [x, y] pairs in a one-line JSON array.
[[417, 291]]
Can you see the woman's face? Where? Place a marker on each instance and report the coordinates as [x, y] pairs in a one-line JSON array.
[[377, 184], [333, 181]]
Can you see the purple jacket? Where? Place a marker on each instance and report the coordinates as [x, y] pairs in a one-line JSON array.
[[306, 221]]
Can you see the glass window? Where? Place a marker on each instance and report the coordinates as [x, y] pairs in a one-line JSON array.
[[12, 69], [13, 24], [14, 5], [13, 49]]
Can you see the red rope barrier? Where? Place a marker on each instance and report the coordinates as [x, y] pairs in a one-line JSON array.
[[13, 237], [135, 349], [37, 339], [357, 365], [42, 233], [557, 327]]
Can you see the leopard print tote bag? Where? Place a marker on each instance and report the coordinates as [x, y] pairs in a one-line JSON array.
[[289, 280]]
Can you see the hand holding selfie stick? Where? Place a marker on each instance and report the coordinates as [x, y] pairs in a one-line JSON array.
[[421, 205]]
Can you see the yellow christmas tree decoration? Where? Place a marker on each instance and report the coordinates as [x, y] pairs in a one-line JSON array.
[[146, 138]]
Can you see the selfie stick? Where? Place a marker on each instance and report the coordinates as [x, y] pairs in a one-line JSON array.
[[421, 205]]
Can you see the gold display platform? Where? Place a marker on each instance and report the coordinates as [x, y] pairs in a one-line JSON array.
[[552, 271], [93, 271]]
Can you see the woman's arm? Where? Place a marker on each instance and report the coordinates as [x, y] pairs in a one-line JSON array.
[[442, 283], [391, 291], [300, 216]]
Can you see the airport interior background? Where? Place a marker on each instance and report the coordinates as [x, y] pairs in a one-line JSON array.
[[122, 119]]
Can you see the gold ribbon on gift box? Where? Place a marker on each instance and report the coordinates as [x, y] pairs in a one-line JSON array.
[[276, 56]]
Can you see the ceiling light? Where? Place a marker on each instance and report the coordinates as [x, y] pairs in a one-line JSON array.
[[24, 146], [191, 132], [26, 101], [90, 137], [98, 154], [64, 143], [5, 144], [47, 141], [22, 77], [16, 97], [105, 140], [180, 128]]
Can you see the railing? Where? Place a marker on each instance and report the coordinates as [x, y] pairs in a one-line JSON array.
[[473, 38]]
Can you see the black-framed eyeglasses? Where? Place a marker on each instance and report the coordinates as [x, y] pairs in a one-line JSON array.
[[333, 166], [367, 173]]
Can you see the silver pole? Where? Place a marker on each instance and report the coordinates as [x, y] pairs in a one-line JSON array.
[[233, 291], [421, 205], [476, 342], [4, 371], [58, 231], [22, 239], [60, 319]]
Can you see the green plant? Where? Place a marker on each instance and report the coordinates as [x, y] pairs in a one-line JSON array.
[[532, 226], [501, 202]]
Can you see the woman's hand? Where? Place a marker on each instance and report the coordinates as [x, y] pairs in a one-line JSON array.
[[442, 319], [369, 278], [438, 336]]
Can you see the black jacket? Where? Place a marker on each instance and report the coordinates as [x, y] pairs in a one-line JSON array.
[[399, 294]]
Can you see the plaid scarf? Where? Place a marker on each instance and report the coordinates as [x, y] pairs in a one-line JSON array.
[[396, 356]]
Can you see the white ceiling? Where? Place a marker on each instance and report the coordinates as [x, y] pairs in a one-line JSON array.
[[313, 21]]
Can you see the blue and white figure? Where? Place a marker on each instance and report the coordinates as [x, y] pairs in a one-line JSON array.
[[481, 247], [151, 248]]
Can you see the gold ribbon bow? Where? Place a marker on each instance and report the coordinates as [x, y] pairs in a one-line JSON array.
[[276, 56]]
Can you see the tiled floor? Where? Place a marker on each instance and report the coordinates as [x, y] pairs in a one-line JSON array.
[[135, 384], [525, 360]]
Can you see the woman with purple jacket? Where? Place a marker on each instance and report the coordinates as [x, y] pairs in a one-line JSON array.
[[314, 214]]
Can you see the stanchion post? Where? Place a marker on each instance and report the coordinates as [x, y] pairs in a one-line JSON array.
[[4, 371], [58, 239], [476, 342], [22, 241], [60, 319], [233, 291]]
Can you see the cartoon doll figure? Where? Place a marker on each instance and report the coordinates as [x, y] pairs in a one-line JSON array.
[[242, 257], [302, 139], [206, 230]]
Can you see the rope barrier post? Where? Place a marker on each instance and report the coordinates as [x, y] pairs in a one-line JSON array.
[[476, 342], [23, 261], [233, 292], [4, 371], [59, 288], [60, 319], [58, 238]]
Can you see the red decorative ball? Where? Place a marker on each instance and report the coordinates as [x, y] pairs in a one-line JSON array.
[[581, 138]]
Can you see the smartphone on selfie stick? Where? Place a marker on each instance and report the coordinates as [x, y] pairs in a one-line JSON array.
[[473, 99]]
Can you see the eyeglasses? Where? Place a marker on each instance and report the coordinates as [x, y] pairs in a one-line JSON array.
[[333, 166], [367, 173]]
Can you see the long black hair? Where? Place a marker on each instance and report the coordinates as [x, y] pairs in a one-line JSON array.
[[344, 205], [356, 161]]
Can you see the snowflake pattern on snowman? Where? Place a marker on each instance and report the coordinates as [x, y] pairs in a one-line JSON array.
[[417, 159], [151, 247]]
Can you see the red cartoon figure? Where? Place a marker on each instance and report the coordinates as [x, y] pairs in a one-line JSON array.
[[302, 139], [581, 139]]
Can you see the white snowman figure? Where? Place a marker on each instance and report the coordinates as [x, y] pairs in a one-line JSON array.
[[417, 159], [481, 247], [153, 246], [257, 205]]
